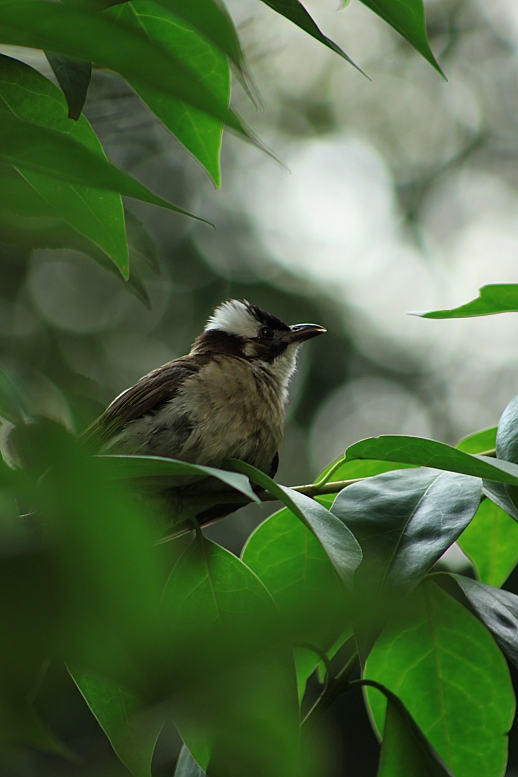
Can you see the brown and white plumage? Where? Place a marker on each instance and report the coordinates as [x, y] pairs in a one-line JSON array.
[[225, 399]]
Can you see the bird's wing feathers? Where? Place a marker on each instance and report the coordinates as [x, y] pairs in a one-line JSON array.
[[146, 396]]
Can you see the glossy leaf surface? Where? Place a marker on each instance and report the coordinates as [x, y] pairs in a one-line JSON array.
[[132, 732], [493, 298], [335, 538], [404, 521], [431, 453], [200, 133], [446, 669], [507, 434], [491, 543], [95, 213], [497, 609], [407, 18]]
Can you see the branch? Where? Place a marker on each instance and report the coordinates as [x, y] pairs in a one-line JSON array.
[[313, 489]]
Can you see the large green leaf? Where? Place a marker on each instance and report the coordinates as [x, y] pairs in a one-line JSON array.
[[73, 76], [431, 453], [96, 214], [338, 542], [405, 752], [493, 298], [209, 17], [110, 43], [446, 669], [120, 467], [200, 133], [407, 18], [491, 543], [294, 567], [241, 705], [404, 521], [496, 608], [296, 13], [37, 149], [132, 731]]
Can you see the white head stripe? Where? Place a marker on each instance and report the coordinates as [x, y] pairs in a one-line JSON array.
[[233, 317]]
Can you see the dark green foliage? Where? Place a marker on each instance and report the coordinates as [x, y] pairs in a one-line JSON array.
[[160, 627]]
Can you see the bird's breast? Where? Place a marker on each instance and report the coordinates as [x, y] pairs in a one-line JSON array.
[[236, 411]]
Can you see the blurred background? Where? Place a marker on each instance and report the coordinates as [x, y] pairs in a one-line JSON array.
[[391, 195]]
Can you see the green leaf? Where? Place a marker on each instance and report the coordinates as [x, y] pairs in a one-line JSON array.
[[94, 213], [210, 18], [405, 752], [447, 671], [95, 37], [120, 467], [296, 13], [335, 538], [37, 149], [106, 567], [491, 543], [430, 453], [394, 517], [479, 442], [493, 298], [243, 701], [496, 608], [407, 18], [132, 732], [186, 765], [295, 569], [73, 76], [200, 133], [342, 469]]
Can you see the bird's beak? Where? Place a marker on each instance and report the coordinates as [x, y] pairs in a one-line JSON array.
[[300, 332]]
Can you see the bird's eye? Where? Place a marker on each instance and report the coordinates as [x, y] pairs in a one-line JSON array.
[[265, 333]]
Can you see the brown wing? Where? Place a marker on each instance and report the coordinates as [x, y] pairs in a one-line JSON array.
[[146, 396]]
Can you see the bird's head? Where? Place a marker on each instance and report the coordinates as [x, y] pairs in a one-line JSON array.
[[238, 328]]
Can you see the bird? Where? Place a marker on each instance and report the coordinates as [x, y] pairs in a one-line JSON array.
[[224, 399]]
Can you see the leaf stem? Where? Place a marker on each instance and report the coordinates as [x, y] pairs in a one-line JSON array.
[[334, 687]]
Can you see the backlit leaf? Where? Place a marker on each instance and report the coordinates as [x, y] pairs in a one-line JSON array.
[[446, 669], [493, 298], [335, 538], [97, 214], [200, 133], [491, 543], [407, 18]]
